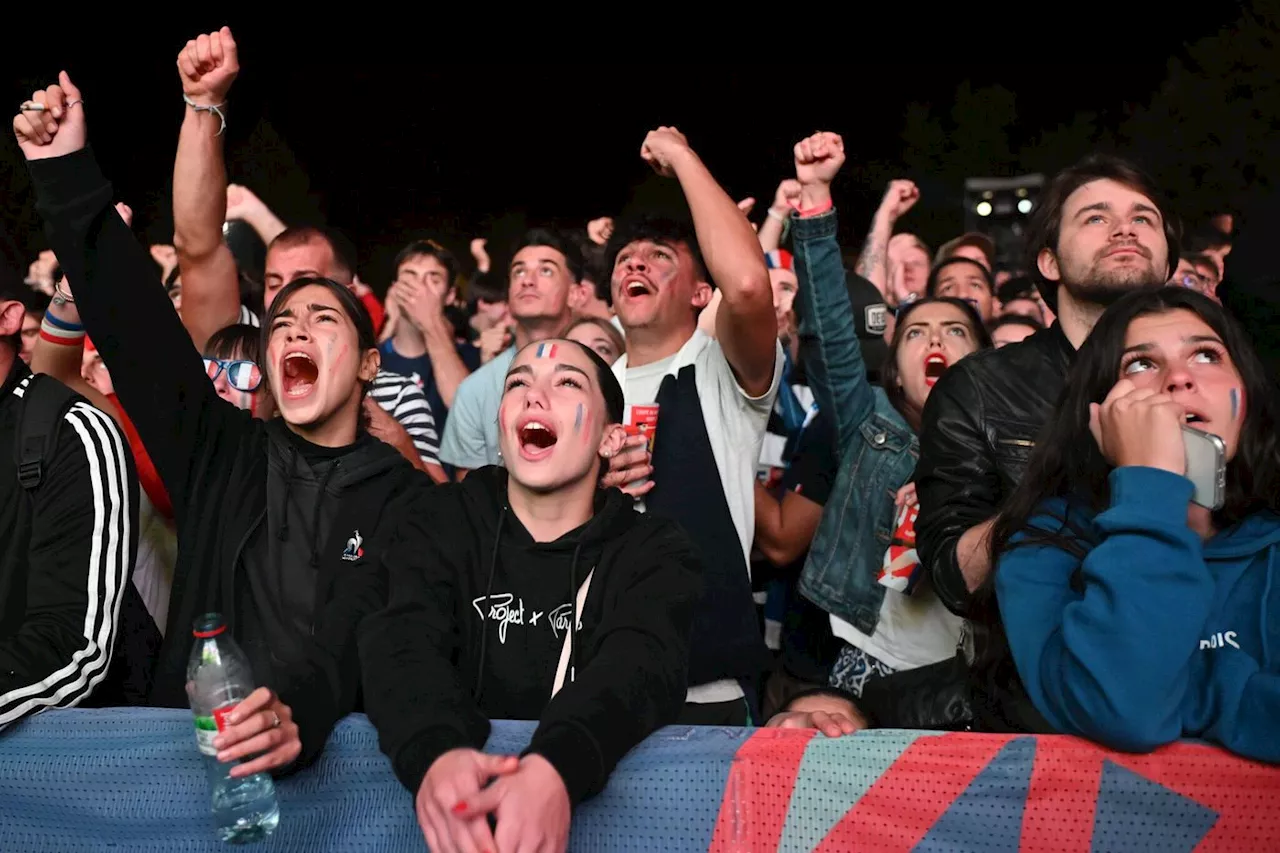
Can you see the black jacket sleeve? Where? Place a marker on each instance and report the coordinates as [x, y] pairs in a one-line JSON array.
[[84, 539], [157, 373], [636, 677], [957, 482], [412, 691]]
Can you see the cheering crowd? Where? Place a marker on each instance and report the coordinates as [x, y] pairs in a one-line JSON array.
[[682, 469]]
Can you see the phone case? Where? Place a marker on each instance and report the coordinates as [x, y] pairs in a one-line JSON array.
[[1206, 467]]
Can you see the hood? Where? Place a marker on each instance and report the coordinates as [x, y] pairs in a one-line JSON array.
[[1259, 531], [484, 493], [365, 459]]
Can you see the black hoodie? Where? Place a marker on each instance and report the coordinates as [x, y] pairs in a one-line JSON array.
[[237, 551], [476, 623]]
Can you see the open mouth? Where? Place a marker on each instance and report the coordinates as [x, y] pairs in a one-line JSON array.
[[298, 374], [636, 287], [537, 439], [935, 364], [1195, 418]]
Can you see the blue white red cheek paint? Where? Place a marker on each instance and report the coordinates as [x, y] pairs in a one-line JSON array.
[[577, 420], [1235, 404], [545, 351]]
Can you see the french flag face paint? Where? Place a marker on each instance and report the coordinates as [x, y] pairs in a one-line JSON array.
[[577, 420], [1235, 404], [545, 351]]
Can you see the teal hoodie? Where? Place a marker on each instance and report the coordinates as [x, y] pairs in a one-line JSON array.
[[1163, 635]]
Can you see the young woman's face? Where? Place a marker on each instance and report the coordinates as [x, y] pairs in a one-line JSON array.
[[934, 337], [594, 337], [1178, 354], [551, 423], [314, 361], [240, 381]]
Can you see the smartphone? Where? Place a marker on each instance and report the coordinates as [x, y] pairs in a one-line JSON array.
[[1206, 467]]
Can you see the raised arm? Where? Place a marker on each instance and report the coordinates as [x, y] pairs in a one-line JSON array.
[[774, 228], [242, 204], [158, 377], [746, 325], [873, 263], [210, 287]]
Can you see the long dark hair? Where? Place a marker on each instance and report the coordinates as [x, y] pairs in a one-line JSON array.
[[889, 373], [1067, 463], [347, 302]]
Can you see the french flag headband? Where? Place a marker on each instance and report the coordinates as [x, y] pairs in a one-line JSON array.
[[778, 259]]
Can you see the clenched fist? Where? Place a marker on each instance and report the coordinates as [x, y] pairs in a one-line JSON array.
[[818, 158], [661, 147], [786, 197], [208, 66], [57, 130], [600, 230], [900, 197]]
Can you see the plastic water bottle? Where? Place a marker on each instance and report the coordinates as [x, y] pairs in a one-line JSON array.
[[218, 679]]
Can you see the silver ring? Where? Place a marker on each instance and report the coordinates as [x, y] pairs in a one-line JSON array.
[[276, 723], [71, 103]]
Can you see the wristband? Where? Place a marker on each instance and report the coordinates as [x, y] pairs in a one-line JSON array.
[[61, 325], [775, 215], [71, 336], [814, 211], [60, 296], [216, 109]]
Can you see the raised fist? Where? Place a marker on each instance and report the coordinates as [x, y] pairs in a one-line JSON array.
[[818, 158], [208, 66], [600, 230], [787, 196], [58, 129], [900, 197], [661, 147], [241, 201]]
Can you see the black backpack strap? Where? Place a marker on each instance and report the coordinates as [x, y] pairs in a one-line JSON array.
[[44, 401]]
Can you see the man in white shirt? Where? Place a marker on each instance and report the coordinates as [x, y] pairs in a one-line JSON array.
[[544, 275], [714, 397]]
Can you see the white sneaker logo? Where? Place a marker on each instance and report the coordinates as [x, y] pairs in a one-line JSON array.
[[1220, 640]]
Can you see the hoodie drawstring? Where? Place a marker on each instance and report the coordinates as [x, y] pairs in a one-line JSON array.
[[315, 513], [283, 533], [573, 601], [478, 691]]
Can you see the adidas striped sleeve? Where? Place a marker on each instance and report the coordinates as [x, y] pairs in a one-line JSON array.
[[82, 546]]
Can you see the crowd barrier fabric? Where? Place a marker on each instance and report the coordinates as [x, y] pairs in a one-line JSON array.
[[131, 780]]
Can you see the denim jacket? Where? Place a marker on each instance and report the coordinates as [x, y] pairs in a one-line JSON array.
[[876, 447]]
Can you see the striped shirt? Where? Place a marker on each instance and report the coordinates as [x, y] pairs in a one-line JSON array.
[[88, 500], [399, 397]]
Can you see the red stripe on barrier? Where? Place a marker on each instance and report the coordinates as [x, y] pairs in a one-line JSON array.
[[1063, 796], [758, 791]]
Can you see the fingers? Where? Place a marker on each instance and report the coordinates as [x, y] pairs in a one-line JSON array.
[[498, 765], [746, 204], [71, 90], [23, 129], [203, 60], [229, 50], [481, 803], [256, 734], [187, 61], [281, 756], [434, 826], [481, 835], [826, 723], [254, 702], [640, 490]]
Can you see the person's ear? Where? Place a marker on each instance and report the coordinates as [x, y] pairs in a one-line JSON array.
[[701, 295], [611, 441], [1047, 263], [369, 365], [579, 293], [11, 314]]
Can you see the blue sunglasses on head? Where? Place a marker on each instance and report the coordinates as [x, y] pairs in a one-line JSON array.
[[242, 375]]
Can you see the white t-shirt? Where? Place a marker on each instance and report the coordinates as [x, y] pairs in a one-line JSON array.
[[914, 630], [471, 432], [157, 555], [735, 426]]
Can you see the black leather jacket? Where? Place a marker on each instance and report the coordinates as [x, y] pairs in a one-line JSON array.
[[977, 431]]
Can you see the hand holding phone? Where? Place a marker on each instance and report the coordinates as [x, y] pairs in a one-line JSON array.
[[1206, 467]]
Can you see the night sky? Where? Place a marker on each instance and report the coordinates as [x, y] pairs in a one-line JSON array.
[[386, 146]]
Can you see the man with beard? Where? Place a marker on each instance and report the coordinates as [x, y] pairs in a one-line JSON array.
[[1102, 229]]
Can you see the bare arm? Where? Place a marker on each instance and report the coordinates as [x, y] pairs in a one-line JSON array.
[[242, 204], [746, 325], [63, 360], [210, 289], [873, 263], [784, 201], [784, 528]]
